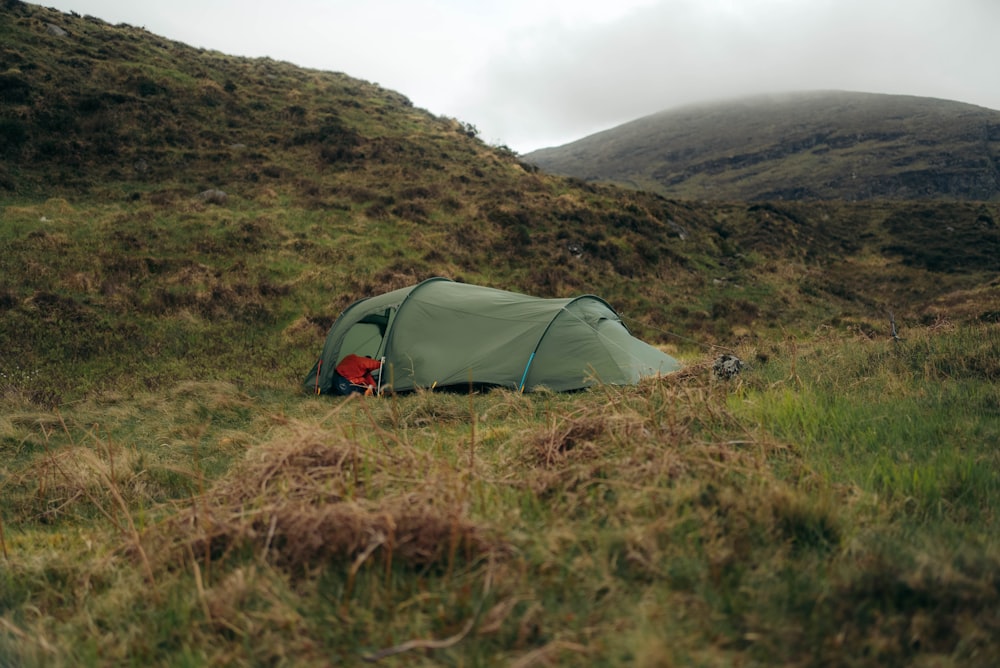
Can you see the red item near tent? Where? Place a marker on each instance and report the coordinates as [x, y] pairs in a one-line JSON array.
[[357, 370]]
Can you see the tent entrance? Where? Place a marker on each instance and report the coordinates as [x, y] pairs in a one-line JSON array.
[[366, 336]]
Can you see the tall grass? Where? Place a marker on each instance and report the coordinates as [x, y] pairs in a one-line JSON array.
[[825, 507], [913, 420]]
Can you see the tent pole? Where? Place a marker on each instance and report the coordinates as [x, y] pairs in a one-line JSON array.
[[525, 376], [381, 370]]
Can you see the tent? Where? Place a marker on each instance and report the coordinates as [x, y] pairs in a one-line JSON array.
[[440, 333]]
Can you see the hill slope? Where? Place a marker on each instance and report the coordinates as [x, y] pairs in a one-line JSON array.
[[173, 213], [87, 104], [818, 145], [178, 229]]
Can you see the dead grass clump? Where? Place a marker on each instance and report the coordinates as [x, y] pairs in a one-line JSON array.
[[311, 467], [82, 282], [321, 498], [805, 520], [582, 437], [702, 374], [78, 477], [736, 523], [400, 275], [300, 534], [508, 406], [659, 464], [410, 528], [645, 438], [424, 408]]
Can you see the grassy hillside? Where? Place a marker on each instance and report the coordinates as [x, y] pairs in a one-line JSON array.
[[117, 112], [255, 194], [178, 230], [820, 145]]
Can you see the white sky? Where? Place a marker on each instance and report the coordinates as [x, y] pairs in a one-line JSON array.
[[537, 73]]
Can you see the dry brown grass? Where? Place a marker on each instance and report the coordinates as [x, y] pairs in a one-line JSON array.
[[317, 496], [581, 436], [78, 480]]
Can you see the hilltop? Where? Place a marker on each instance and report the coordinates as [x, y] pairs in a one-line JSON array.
[[824, 145]]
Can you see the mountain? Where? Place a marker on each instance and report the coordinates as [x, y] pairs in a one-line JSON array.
[[812, 145], [171, 213]]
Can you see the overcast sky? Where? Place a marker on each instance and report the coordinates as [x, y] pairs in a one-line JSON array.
[[537, 73]]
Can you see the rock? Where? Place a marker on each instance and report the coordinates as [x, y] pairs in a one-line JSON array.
[[55, 30], [677, 230], [727, 367], [214, 196]]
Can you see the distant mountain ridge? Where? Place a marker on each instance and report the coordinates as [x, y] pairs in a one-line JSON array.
[[820, 145]]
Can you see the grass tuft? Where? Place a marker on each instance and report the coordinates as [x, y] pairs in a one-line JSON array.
[[321, 497]]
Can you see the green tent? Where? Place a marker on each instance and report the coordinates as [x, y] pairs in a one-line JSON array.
[[440, 333]]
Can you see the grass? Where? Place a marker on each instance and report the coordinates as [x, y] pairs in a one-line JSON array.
[[829, 505], [169, 497], [907, 421]]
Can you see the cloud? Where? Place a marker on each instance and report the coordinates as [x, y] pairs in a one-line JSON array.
[[533, 73], [558, 85]]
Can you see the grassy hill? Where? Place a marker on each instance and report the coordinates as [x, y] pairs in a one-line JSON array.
[[159, 194], [817, 146], [178, 230]]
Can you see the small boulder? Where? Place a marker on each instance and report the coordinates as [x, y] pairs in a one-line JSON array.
[[214, 196], [727, 367]]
